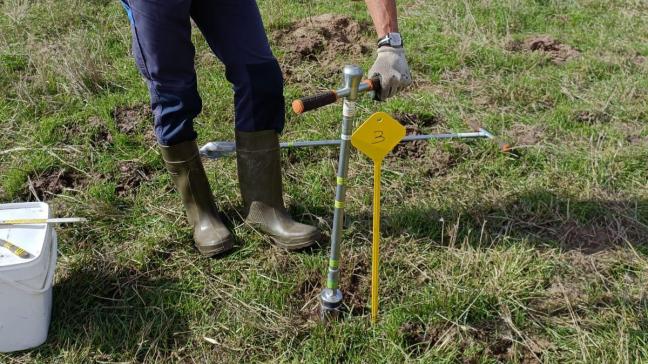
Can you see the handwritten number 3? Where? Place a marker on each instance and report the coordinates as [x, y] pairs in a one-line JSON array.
[[378, 136]]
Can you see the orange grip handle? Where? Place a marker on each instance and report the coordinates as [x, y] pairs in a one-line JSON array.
[[309, 103], [373, 84]]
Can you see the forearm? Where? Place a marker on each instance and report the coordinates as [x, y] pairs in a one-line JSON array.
[[384, 15]]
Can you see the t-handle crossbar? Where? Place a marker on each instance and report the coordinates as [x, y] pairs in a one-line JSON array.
[[313, 102]]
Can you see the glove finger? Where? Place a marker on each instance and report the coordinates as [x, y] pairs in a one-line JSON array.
[[407, 79], [378, 94], [384, 93], [393, 85], [390, 92], [393, 91]]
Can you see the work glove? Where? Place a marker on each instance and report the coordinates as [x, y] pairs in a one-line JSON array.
[[391, 66]]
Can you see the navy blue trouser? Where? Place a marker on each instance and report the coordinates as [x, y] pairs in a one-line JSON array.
[[165, 54]]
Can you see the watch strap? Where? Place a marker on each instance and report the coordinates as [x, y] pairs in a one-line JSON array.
[[388, 40]]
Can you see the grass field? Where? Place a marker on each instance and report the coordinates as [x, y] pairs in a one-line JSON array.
[[486, 257]]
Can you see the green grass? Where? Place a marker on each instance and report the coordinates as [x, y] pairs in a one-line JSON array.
[[486, 258]]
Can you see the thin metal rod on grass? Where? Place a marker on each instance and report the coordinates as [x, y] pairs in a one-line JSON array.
[[220, 149]]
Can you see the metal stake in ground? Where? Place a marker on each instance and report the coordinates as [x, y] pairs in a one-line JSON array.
[[331, 296], [220, 149], [376, 137]]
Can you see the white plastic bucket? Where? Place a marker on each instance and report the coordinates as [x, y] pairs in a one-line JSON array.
[[26, 283]]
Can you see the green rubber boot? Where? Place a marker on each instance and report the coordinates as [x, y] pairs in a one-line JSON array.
[[183, 162], [259, 171]]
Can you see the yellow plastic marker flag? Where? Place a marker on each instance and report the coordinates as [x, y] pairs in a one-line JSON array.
[[376, 137]]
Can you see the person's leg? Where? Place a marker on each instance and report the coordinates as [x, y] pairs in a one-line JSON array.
[[234, 30], [165, 56]]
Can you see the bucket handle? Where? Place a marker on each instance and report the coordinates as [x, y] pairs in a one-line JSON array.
[[49, 280]]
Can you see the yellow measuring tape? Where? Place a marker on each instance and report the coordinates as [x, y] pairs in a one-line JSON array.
[[18, 251], [66, 220], [376, 137]]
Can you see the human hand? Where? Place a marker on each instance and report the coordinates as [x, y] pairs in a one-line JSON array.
[[392, 69]]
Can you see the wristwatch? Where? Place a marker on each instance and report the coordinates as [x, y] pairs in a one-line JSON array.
[[391, 39]]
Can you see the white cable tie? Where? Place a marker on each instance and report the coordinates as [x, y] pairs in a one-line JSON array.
[[345, 137]]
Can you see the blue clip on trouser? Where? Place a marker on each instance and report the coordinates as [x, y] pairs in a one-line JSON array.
[[164, 54]]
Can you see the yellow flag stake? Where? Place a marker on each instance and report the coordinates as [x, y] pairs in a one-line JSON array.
[[376, 137]]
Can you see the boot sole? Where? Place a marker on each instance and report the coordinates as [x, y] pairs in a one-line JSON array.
[[297, 244], [218, 249]]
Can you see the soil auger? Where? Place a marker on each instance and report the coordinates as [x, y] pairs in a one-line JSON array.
[[331, 297]]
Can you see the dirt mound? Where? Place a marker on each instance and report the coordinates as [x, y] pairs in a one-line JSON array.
[[135, 119], [413, 124], [441, 161], [310, 286], [355, 282], [522, 134], [420, 120], [592, 117], [411, 150], [614, 224], [418, 337], [131, 176], [556, 51], [54, 182], [633, 133], [491, 339], [100, 136], [440, 164], [321, 39], [639, 60]]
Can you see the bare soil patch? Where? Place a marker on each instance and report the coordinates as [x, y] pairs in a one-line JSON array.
[[413, 149], [54, 182], [309, 287], [557, 52], [131, 176], [419, 337], [592, 117], [522, 134], [420, 120], [101, 136], [413, 124], [307, 290], [560, 298], [355, 283], [636, 139], [632, 133], [491, 339], [135, 119], [322, 39], [439, 162], [615, 224], [639, 60]]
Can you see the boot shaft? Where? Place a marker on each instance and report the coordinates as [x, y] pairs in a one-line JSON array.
[[259, 168], [185, 166]]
